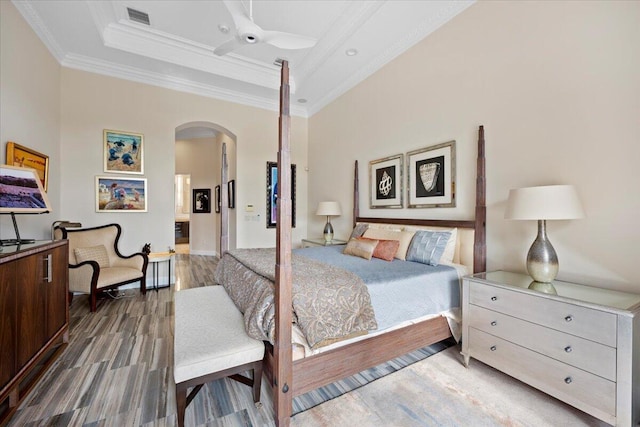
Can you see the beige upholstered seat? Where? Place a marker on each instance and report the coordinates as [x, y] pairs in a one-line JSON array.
[[95, 264], [210, 342]]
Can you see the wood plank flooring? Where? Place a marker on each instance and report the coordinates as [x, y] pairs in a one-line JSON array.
[[118, 367], [118, 371]]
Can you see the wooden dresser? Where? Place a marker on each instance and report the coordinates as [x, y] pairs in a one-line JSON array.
[[580, 345], [34, 316]]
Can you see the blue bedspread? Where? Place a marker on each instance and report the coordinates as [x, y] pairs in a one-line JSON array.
[[400, 290]]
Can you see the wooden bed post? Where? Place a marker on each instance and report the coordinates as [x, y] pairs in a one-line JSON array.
[[283, 360], [356, 195], [480, 244], [224, 204]]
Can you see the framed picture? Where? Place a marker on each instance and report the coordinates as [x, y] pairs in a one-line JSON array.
[[21, 191], [385, 180], [218, 200], [231, 188], [202, 200], [123, 152], [431, 176], [272, 194], [24, 157], [121, 194]]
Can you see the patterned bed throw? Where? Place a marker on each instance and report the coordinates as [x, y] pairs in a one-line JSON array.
[[329, 304]]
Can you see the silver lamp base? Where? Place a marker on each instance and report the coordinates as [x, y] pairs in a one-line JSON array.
[[542, 260], [328, 231], [546, 288]]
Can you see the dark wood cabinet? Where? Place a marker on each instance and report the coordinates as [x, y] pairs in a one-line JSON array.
[[182, 232], [34, 316]]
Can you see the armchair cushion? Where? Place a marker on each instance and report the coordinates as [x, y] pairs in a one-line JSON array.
[[113, 275], [94, 253]]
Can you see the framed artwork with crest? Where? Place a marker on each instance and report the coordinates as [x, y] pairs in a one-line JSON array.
[[385, 181], [431, 176]]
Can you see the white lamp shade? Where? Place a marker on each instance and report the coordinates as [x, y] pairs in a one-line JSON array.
[[329, 209], [545, 202]]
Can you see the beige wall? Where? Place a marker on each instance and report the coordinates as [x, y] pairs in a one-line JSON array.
[[556, 86], [91, 103], [29, 111]]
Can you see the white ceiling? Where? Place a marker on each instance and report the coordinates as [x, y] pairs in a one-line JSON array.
[[176, 50]]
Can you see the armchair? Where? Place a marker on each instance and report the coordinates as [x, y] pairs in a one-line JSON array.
[[96, 264]]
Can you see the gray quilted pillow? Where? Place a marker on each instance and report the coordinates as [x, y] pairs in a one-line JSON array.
[[427, 247]]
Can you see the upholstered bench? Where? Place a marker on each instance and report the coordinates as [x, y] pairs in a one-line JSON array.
[[211, 343]]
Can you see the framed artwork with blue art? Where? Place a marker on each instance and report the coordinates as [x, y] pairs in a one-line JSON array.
[[272, 194], [123, 152]]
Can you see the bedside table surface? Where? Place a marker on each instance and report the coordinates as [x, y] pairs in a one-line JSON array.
[[565, 290], [323, 242]]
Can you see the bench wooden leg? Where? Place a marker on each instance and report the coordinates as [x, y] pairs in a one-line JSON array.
[[257, 381], [181, 400]]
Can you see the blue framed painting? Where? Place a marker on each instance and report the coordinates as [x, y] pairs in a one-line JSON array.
[[123, 152]]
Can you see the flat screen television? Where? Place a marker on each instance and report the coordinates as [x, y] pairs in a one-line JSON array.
[[21, 192]]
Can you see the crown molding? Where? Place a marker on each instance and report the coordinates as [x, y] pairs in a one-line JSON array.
[[33, 19], [110, 69], [411, 38], [151, 43]]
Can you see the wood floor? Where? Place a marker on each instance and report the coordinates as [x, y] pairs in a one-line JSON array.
[[117, 369]]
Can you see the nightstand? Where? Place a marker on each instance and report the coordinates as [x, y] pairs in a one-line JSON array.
[[321, 242], [580, 345]]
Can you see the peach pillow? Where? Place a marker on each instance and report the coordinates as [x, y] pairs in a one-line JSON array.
[[404, 237], [385, 249]]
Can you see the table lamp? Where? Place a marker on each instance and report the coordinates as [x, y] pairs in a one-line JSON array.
[[543, 203], [328, 209]]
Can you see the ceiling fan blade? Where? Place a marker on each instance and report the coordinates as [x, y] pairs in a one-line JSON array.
[[237, 11], [227, 47], [288, 40]]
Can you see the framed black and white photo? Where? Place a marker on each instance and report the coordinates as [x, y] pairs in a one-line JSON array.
[[202, 200], [272, 194], [218, 199], [231, 187], [431, 175], [385, 180]]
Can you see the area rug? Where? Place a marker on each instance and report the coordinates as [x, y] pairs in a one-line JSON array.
[[315, 397]]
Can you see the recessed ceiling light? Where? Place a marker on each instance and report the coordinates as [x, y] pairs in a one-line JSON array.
[[223, 28], [302, 101], [351, 52]]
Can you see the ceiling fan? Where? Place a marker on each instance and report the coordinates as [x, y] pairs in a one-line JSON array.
[[248, 32]]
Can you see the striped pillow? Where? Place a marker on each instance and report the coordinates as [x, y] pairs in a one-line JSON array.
[[427, 247]]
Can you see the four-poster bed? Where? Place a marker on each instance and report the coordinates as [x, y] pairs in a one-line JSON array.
[[291, 377]]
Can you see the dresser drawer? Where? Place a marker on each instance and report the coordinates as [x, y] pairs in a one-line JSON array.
[[594, 325], [588, 355], [572, 385]]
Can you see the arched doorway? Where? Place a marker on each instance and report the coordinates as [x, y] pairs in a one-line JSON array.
[[198, 155]]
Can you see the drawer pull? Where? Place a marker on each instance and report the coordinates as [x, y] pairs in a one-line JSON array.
[[494, 323], [568, 349], [493, 348], [568, 380], [494, 298], [569, 318]]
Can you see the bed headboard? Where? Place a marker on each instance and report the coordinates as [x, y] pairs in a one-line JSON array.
[[464, 235], [471, 247]]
